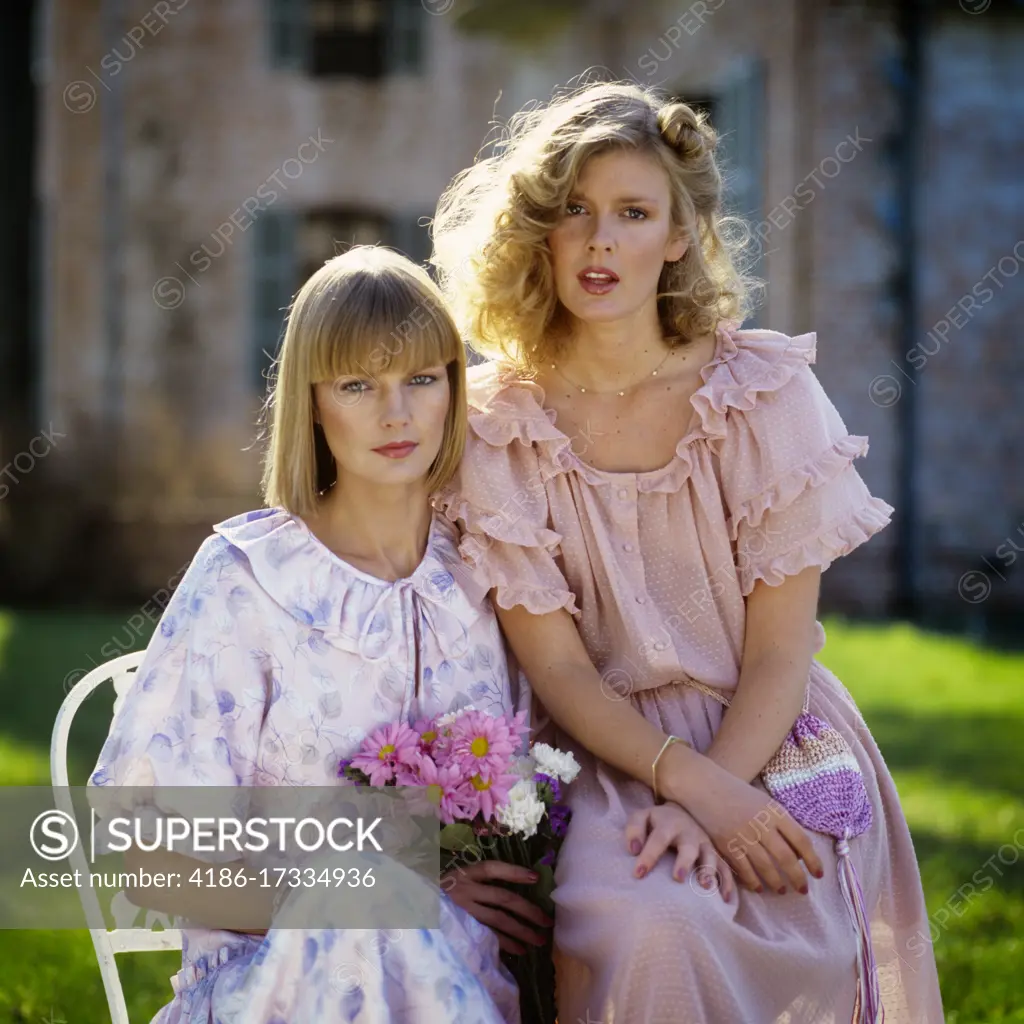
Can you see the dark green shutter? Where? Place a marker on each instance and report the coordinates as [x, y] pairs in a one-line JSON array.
[[404, 37], [287, 25], [739, 121], [411, 237], [274, 283]]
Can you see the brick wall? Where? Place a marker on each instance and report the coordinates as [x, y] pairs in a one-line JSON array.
[[207, 122]]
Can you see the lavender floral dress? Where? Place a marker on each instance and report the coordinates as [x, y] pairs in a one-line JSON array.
[[273, 660]]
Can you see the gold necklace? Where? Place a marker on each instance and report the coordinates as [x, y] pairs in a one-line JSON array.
[[583, 391]]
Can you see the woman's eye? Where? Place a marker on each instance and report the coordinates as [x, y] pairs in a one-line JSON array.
[[572, 208], [428, 378], [354, 386], [636, 209]]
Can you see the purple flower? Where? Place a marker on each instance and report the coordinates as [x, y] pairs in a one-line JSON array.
[[548, 780], [343, 765], [560, 815], [548, 859]]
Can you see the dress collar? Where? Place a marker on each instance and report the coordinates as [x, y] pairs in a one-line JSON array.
[[347, 607], [504, 407]]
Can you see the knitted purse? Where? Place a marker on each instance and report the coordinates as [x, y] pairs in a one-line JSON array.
[[816, 778]]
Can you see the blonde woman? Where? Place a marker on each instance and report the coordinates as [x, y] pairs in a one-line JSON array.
[[651, 496], [301, 627]]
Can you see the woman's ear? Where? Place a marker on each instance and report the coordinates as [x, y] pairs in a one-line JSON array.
[[676, 248]]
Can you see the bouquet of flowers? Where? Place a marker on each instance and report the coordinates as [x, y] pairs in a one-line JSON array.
[[493, 802]]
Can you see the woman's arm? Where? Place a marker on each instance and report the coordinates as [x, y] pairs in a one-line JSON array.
[[233, 907], [550, 651], [773, 677], [248, 908]]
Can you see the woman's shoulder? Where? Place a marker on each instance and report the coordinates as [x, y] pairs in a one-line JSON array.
[[501, 389], [232, 575], [269, 560], [751, 371], [506, 407], [779, 430]]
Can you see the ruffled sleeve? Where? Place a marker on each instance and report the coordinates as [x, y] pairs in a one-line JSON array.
[[499, 501], [194, 711], [793, 496]]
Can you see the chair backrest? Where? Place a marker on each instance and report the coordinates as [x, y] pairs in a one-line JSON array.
[[130, 938]]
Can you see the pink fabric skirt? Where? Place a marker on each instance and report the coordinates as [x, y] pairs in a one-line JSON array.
[[657, 951]]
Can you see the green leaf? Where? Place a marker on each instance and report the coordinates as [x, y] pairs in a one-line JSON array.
[[546, 882], [542, 889], [458, 837]]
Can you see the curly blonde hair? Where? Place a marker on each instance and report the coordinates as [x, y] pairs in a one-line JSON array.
[[491, 225]]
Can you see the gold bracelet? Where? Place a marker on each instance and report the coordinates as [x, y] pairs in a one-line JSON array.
[[654, 764]]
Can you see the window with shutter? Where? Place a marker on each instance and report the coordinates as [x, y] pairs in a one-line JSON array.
[[411, 236], [328, 231], [290, 246], [346, 38]]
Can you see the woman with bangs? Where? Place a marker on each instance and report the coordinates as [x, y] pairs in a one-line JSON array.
[[299, 629], [650, 495]]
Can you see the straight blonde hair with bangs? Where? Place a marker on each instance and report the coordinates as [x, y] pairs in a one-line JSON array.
[[365, 312]]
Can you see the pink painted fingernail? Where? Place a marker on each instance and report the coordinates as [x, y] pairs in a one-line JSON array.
[[634, 847], [803, 889], [641, 871], [782, 891]]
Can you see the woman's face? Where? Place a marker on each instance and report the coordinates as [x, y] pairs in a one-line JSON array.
[[617, 224], [384, 429]]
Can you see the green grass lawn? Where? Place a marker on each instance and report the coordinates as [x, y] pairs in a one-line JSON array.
[[949, 718]]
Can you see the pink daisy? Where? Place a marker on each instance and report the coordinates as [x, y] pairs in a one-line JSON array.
[[384, 750], [441, 788], [429, 734], [485, 795], [483, 744]]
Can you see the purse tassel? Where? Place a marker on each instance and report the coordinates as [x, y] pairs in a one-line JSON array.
[[869, 998]]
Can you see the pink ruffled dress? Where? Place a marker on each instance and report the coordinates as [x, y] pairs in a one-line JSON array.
[[655, 566]]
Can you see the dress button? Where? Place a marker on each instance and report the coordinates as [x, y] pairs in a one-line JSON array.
[[623, 493], [627, 547], [640, 599], [660, 645]]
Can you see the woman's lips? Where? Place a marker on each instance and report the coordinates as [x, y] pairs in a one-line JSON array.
[[397, 451], [597, 285]]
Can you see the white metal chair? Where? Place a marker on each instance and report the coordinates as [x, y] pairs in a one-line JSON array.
[[129, 936]]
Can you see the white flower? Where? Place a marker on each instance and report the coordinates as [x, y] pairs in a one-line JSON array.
[[445, 720], [524, 810], [557, 763]]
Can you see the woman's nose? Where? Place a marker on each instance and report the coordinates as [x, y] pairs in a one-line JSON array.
[[395, 406], [601, 237]]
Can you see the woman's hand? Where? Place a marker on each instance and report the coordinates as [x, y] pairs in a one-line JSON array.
[[493, 905], [755, 833], [650, 833]]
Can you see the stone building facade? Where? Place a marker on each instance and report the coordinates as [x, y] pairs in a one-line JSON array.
[[195, 160]]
